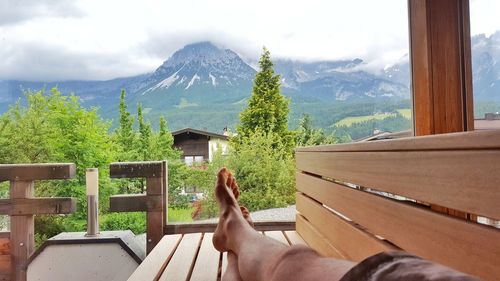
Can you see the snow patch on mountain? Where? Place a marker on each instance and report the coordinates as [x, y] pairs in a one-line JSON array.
[[195, 77]]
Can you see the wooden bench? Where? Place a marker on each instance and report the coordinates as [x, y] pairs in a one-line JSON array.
[[355, 200], [192, 257]]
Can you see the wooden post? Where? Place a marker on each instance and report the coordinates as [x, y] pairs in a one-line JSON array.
[[21, 206], [441, 66], [441, 70], [154, 202], [22, 230]]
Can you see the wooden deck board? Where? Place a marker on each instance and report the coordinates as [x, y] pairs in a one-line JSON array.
[[278, 236], [295, 238], [207, 262], [193, 257], [156, 261], [181, 263]]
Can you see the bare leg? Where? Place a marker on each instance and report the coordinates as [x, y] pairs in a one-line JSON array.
[[263, 258], [232, 272]]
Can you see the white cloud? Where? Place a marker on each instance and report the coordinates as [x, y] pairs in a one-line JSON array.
[[103, 39]]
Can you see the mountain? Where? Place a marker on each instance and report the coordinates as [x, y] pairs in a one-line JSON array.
[[205, 86], [485, 68]]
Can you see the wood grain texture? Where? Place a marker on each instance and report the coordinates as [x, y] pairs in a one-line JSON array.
[[39, 206], [22, 229], [27, 172], [466, 246], [464, 180], [353, 242], [294, 238], [277, 235], [136, 203], [207, 262], [181, 264], [477, 140], [154, 219], [440, 66], [315, 240], [154, 264], [183, 228], [153, 169]]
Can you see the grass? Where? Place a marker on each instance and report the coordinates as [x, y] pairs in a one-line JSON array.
[[405, 112], [348, 121], [180, 215]]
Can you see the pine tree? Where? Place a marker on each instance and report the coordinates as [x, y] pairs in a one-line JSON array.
[[308, 135], [126, 137], [166, 142], [267, 108], [145, 135]]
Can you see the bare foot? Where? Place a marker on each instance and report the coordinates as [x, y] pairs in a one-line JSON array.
[[226, 191], [246, 215]]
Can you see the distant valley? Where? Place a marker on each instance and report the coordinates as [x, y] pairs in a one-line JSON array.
[[204, 86]]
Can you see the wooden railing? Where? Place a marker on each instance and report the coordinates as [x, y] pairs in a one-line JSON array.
[[155, 202], [355, 200], [21, 206]]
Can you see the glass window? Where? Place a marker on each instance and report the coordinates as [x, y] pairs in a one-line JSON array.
[[485, 46]]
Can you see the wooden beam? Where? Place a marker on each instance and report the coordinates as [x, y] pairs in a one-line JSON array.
[[465, 180], [184, 228], [22, 229], [153, 169], [357, 244], [31, 172], [135, 203], [466, 246], [441, 72], [37, 206], [476, 140], [315, 240]]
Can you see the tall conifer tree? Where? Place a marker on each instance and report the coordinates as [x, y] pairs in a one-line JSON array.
[[267, 108]]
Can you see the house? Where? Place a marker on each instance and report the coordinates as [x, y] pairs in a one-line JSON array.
[[199, 146]]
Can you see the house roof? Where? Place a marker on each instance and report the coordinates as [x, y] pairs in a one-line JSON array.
[[199, 132]]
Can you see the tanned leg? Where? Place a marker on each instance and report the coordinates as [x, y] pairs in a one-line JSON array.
[[232, 272], [263, 258]]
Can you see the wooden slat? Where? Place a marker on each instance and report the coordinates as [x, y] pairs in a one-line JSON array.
[[466, 246], [39, 206], [440, 66], [135, 203], [277, 235], [207, 262], [182, 228], [355, 243], [180, 265], [315, 240], [27, 172], [463, 180], [154, 219], [294, 238], [151, 169], [154, 264], [224, 263], [22, 230], [452, 141]]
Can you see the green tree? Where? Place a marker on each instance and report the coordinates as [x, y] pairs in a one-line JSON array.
[[126, 137], [267, 108], [307, 135], [145, 136]]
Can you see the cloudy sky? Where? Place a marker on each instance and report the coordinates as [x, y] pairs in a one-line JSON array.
[[103, 39]]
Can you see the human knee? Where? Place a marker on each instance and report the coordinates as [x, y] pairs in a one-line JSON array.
[[288, 263]]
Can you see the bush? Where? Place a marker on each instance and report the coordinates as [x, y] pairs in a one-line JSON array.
[[135, 221]]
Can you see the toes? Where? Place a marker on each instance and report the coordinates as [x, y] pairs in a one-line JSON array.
[[223, 176]]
